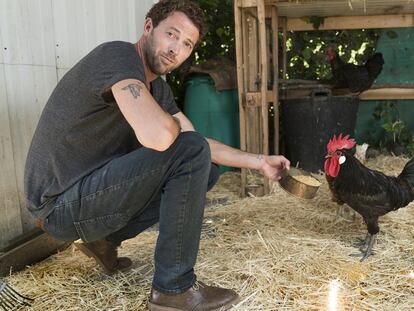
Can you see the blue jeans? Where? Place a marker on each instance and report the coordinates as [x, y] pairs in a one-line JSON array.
[[131, 193]]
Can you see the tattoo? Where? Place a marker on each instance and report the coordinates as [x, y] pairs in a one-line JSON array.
[[260, 156], [135, 89]]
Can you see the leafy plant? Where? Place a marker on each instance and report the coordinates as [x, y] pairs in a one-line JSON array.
[[396, 133]]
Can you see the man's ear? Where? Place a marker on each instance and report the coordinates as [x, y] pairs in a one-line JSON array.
[[148, 26]]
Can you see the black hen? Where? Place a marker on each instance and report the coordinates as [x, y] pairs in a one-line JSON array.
[[355, 77], [369, 192]]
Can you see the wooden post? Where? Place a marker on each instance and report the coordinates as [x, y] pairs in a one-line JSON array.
[[251, 61], [284, 29], [263, 83], [275, 57], [240, 86]]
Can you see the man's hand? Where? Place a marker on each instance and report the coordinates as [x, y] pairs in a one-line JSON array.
[[274, 166]]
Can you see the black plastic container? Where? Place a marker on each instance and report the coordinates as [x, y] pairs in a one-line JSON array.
[[310, 121]]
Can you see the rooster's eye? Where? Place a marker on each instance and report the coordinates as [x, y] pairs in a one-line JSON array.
[[338, 153]]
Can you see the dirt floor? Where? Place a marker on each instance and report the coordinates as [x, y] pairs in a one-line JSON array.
[[278, 252]]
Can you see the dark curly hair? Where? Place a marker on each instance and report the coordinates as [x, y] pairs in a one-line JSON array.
[[164, 8]]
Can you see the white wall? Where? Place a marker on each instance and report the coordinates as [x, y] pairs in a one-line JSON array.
[[40, 40]]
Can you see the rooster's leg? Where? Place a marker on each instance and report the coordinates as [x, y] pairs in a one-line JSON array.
[[370, 244], [366, 248], [362, 243]]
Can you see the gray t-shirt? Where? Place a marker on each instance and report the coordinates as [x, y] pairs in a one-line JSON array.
[[81, 128]]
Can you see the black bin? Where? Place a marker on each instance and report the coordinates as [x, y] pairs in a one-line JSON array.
[[310, 121]]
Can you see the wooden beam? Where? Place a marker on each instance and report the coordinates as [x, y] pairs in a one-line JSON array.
[[387, 94], [353, 22], [36, 247]]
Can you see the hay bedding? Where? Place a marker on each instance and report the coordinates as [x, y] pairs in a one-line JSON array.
[[278, 252]]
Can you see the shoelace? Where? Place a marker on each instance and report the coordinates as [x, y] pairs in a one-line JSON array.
[[197, 285]]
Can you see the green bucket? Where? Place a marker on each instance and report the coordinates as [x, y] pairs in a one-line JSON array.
[[214, 114]]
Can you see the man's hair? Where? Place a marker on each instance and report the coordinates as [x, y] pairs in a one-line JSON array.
[[164, 8]]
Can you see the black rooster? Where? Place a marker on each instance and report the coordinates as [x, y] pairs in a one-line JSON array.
[[355, 77], [369, 192]]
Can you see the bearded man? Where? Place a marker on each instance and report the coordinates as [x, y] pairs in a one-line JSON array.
[[112, 155]]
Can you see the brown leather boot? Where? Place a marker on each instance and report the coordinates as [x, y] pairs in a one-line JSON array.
[[199, 297], [105, 255]]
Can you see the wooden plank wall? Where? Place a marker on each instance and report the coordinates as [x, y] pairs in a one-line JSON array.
[[40, 40]]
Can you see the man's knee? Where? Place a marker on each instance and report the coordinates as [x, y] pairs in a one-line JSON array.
[[196, 146]]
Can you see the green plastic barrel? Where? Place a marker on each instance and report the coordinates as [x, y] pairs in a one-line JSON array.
[[214, 114]]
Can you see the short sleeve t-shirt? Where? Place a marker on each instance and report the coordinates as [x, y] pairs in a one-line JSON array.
[[81, 128]]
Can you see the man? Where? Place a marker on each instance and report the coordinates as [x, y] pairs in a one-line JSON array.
[[112, 155]]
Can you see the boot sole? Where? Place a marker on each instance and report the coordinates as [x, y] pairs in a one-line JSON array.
[[90, 254], [154, 307]]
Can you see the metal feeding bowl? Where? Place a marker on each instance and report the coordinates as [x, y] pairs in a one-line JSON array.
[[299, 183]]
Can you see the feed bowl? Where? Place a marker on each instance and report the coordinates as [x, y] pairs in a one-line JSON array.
[[299, 183]]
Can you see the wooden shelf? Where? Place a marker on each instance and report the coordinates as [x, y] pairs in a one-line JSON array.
[[387, 94], [377, 92]]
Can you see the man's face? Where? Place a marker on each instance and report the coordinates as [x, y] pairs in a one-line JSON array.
[[170, 43]]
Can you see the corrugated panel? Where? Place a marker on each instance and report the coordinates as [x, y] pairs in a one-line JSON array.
[[10, 223], [81, 25], [28, 88], [1, 48], [27, 32], [29, 72], [303, 8], [61, 73]]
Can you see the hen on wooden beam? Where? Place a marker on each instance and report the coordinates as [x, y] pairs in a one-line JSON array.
[[357, 78]]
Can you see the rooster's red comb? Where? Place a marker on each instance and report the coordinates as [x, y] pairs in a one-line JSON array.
[[337, 143]]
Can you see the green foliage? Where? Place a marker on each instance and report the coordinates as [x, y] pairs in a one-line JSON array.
[[306, 51], [396, 133]]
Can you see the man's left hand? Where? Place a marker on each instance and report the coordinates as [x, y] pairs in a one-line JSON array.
[[274, 165]]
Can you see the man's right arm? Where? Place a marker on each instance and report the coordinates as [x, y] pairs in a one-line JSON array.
[[153, 127]]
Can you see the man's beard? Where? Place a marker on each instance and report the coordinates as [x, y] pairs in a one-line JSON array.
[[153, 59]]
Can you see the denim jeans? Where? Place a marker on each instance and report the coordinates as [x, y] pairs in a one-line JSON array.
[[133, 192]]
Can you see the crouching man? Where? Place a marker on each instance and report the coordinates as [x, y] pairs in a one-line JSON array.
[[112, 155]]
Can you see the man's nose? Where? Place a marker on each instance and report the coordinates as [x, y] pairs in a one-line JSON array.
[[174, 49]]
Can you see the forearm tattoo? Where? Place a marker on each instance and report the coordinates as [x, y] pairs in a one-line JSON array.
[[260, 156], [135, 89]]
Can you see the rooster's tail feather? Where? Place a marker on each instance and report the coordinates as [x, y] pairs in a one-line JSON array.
[[407, 175]]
